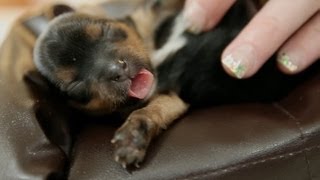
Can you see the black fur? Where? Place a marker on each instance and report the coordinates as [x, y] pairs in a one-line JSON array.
[[196, 73]]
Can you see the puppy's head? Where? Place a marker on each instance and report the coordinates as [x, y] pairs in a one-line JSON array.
[[100, 64]]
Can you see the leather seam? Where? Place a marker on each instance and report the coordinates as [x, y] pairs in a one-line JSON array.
[[249, 164], [308, 165], [302, 136], [291, 117], [261, 161]]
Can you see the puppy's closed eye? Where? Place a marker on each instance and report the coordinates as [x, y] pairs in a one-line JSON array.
[[114, 34], [78, 91]]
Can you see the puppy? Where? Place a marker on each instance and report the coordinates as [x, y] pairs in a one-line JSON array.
[[148, 68]]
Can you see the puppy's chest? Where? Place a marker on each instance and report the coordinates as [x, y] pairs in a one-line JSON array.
[[175, 52]]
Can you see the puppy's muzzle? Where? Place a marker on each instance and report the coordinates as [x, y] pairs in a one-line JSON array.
[[115, 71]]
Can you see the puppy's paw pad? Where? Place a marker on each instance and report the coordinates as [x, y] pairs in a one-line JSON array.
[[131, 142], [127, 156]]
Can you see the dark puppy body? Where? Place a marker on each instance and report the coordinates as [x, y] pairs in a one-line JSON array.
[[104, 66]]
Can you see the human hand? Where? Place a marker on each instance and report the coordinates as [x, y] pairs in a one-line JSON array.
[[291, 25]]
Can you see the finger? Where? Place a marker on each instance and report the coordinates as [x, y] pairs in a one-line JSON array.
[[202, 15], [303, 49], [266, 32]]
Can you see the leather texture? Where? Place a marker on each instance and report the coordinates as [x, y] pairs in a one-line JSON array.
[[26, 153], [280, 140], [245, 141]]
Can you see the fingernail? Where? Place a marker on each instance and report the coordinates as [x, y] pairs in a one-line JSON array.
[[287, 62], [195, 17], [235, 66], [238, 61]]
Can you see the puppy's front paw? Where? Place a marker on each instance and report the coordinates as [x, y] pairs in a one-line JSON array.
[[131, 141]]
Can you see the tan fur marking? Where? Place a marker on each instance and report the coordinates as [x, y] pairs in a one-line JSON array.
[[148, 19], [100, 103], [145, 23], [169, 108], [66, 75], [95, 106], [94, 31], [133, 44], [163, 109]]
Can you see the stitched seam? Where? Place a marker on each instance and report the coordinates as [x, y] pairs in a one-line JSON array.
[[308, 165], [302, 136], [282, 156], [252, 163], [292, 117]]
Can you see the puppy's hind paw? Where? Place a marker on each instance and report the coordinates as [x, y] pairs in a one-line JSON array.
[[127, 157]]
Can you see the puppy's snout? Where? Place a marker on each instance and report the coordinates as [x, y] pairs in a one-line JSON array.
[[118, 71]]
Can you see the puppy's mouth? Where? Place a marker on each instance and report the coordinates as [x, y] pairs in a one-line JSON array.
[[141, 84]]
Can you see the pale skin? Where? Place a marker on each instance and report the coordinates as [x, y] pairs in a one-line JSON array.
[[290, 28]]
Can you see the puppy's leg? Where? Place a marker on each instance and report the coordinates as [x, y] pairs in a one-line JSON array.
[[133, 138]]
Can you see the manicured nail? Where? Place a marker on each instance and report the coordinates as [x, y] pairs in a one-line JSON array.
[[234, 65], [287, 62], [194, 16], [237, 62]]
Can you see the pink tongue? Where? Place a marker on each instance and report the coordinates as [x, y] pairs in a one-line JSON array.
[[141, 84]]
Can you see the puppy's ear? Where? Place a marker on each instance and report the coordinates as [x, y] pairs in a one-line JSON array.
[[59, 9], [36, 82], [53, 11]]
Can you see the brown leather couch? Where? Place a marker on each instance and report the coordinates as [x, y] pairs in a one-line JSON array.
[[280, 140]]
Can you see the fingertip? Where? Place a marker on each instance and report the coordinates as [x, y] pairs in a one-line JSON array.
[[240, 60], [234, 67], [302, 49], [194, 16], [203, 15], [260, 33], [286, 64], [216, 12]]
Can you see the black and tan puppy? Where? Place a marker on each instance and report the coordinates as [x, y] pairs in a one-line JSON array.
[[149, 67]]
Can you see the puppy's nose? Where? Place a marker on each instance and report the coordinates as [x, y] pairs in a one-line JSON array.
[[118, 71]]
